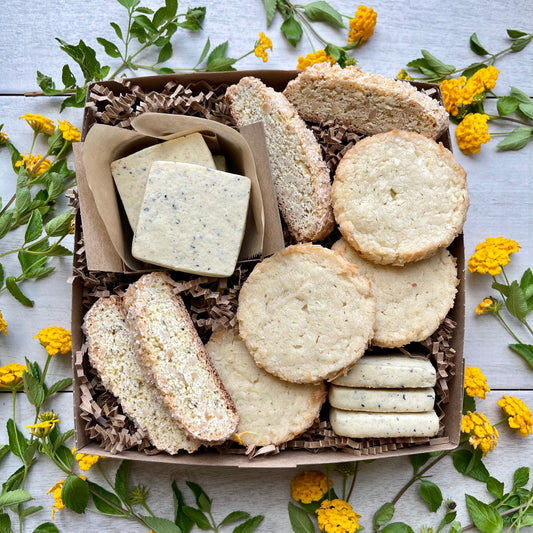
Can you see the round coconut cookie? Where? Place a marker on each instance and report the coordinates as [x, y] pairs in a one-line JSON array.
[[399, 197], [411, 301], [272, 411], [306, 314]]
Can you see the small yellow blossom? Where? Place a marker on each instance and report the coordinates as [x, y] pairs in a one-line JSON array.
[[482, 433], [3, 324], [402, 75], [85, 461], [475, 383], [519, 415], [309, 487], [11, 376], [56, 494], [484, 306], [4, 138], [70, 132], [48, 423], [55, 339], [472, 132], [491, 255], [39, 124], [261, 47], [337, 516], [33, 163], [452, 94], [362, 24], [311, 59]]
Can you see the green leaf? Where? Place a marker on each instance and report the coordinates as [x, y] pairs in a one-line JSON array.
[[180, 518], [46, 84], [397, 527], [205, 50], [60, 225], [440, 68], [418, 461], [455, 527], [5, 523], [22, 201], [75, 494], [14, 481], [197, 516], [165, 54], [34, 389], [507, 105], [300, 521], [516, 301], [15, 291], [485, 517], [517, 139], [117, 29], [144, 22], [526, 109], [75, 100], [292, 30], [161, 525], [145, 10], [29, 454], [431, 494], [14, 497], [470, 464], [270, 9], [193, 19], [383, 515], [121, 480], [235, 516], [68, 79], [102, 497], [220, 64], [321, 11], [219, 52], [4, 450], [85, 57], [202, 500], [476, 47], [469, 403], [521, 96], [525, 351], [495, 487], [111, 49], [250, 525], [520, 477], [34, 228], [5, 222], [59, 385], [160, 17], [526, 283], [472, 69], [64, 455], [129, 4], [172, 8], [520, 44], [46, 527], [61, 438], [514, 34], [32, 509]]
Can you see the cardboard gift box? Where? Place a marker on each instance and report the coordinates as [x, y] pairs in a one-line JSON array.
[[123, 116]]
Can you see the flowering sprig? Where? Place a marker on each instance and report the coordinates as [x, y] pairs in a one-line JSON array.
[[298, 21], [490, 257], [41, 180]]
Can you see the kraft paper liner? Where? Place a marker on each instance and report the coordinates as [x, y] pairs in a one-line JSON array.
[[104, 144]]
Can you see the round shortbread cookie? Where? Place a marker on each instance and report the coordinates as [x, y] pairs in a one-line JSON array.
[[399, 197], [271, 410], [306, 314], [411, 301]]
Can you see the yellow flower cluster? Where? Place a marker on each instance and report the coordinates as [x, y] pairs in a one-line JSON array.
[[261, 47], [484, 306], [48, 423], [55, 339], [70, 132], [31, 162], [309, 487], [311, 59], [3, 324], [482, 433], [4, 138], [475, 383], [519, 414], [491, 255], [39, 124], [56, 494], [457, 92], [85, 460], [402, 75], [337, 516], [472, 132], [11, 376], [362, 24]]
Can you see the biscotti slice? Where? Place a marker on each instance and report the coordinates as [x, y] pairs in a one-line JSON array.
[[301, 178], [358, 425], [171, 351], [411, 301], [395, 371], [399, 197], [381, 400], [192, 219], [306, 314], [364, 102], [272, 411], [112, 354], [130, 173]]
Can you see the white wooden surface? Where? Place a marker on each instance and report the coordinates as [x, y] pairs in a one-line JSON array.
[[500, 186]]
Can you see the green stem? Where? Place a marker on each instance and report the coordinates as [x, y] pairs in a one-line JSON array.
[[353, 482], [509, 119], [507, 328]]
